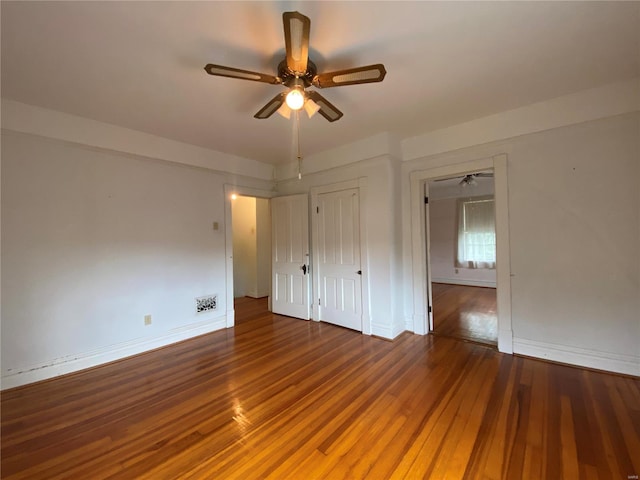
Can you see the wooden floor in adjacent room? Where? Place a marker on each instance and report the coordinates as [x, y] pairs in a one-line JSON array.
[[464, 312], [276, 397]]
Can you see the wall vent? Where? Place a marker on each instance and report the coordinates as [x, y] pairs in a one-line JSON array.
[[205, 304]]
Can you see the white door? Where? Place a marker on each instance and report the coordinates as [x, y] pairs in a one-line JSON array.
[[290, 256], [339, 274]]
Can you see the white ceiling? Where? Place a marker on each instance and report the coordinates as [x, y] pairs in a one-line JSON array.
[[140, 64]]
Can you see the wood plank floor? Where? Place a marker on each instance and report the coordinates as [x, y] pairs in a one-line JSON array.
[[467, 313], [280, 398]]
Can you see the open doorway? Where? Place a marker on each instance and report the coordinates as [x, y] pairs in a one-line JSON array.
[[251, 239], [462, 257]]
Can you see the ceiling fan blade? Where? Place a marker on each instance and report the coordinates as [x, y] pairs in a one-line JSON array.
[[296, 41], [448, 179], [327, 110], [221, 71], [351, 76], [467, 175], [271, 107]]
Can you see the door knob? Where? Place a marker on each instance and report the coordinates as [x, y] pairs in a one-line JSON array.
[[359, 272], [304, 269]]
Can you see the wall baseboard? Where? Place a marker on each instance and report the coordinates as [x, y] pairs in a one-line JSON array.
[[384, 331], [468, 283], [505, 341], [408, 323], [74, 363], [231, 318], [366, 325], [397, 330], [611, 362]]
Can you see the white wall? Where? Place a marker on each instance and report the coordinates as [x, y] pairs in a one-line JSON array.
[[263, 248], [251, 247], [574, 207], [601, 102], [443, 244], [20, 117], [244, 246], [92, 241]]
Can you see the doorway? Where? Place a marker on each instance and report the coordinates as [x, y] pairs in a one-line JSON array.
[[284, 242], [461, 251], [420, 267], [251, 230]]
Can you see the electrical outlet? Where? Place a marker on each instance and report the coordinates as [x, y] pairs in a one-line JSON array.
[[147, 319]]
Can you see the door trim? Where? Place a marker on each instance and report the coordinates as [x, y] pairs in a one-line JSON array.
[[361, 185], [418, 241], [230, 189], [427, 253]]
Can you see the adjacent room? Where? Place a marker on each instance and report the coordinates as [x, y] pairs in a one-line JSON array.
[[462, 256], [321, 240], [251, 230]]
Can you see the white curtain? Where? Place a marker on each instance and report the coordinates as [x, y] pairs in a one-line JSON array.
[[476, 233]]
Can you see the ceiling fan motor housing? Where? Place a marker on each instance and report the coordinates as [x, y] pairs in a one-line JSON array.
[[288, 77]]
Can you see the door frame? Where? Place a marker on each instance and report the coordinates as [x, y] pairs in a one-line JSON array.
[[420, 265], [427, 253], [361, 185], [230, 189]]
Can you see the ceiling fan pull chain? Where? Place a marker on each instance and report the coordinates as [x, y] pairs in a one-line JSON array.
[[297, 121]]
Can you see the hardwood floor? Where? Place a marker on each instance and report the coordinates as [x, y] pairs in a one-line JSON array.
[[466, 313], [280, 398]]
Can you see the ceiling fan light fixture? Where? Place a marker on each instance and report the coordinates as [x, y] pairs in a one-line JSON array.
[[295, 98], [284, 110], [311, 107]]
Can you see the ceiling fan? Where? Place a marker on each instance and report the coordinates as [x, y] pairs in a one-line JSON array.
[[469, 179], [298, 73]]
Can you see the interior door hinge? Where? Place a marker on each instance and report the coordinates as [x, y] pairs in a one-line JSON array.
[[426, 200], [317, 209], [429, 308]]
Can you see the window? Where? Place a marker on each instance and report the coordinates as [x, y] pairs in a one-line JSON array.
[[476, 233]]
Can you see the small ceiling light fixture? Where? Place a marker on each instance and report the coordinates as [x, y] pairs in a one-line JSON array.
[[284, 110], [311, 107], [233, 196], [295, 98]]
